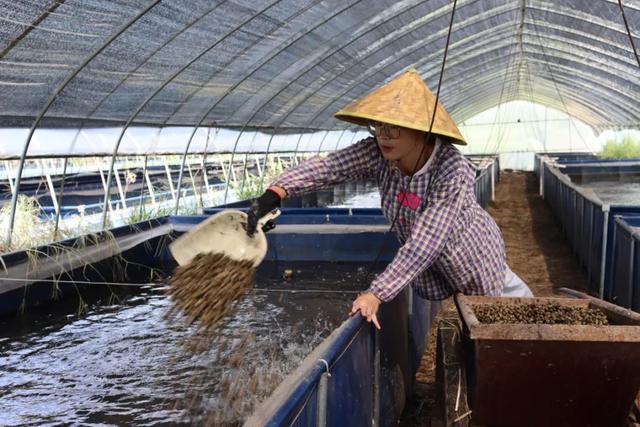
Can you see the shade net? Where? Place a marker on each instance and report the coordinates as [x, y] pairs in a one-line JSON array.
[[289, 65]]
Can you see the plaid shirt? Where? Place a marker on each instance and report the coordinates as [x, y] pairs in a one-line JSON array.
[[449, 243]]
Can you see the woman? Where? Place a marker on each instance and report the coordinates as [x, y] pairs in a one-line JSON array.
[[449, 243]]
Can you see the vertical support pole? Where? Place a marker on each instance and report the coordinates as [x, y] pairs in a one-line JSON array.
[[244, 172], [224, 170], [150, 187], [104, 185], [295, 152], [9, 169], [259, 166], [326, 133], [376, 378], [588, 260], [493, 181], [64, 176], [233, 153], [542, 166], [52, 190], [321, 411], [204, 167], [234, 178], [266, 159], [631, 265], [169, 178], [116, 174], [603, 258], [193, 181], [144, 173], [205, 179]]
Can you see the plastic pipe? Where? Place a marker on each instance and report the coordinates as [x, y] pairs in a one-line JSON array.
[[603, 258], [321, 412]]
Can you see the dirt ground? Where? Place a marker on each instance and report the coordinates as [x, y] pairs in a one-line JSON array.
[[537, 251]]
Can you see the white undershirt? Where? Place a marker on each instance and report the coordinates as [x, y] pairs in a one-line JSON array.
[[424, 168]]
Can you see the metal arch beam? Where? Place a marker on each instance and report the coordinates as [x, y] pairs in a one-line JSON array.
[[626, 6], [601, 47], [482, 69], [168, 80], [582, 101], [229, 62], [228, 91], [304, 95], [340, 48], [140, 65], [453, 60], [195, 129], [495, 58], [583, 111], [480, 101], [485, 94], [625, 69], [586, 102], [427, 59], [494, 70], [556, 8], [56, 4], [619, 93], [595, 85], [416, 65], [289, 44], [570, 78], [376, 69], [67, 80], [406, 30], [277, 52], [146, 60]]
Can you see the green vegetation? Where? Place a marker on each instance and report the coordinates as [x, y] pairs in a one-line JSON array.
[[620, 148], [29, 229], [252, 185], [145, 213]]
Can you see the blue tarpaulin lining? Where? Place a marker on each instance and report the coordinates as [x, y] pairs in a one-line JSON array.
[[582, 220], [625, 271]]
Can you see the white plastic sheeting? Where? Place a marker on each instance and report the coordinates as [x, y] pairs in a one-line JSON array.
[[169, 140]]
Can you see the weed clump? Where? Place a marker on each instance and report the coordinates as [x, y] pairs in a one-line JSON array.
[[548, 313]]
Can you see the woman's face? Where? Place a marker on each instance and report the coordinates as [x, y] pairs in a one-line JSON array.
[[408, 141]]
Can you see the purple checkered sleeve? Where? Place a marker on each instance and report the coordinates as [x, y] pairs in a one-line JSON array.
[[428, 235], [449, 244], [358, 161]]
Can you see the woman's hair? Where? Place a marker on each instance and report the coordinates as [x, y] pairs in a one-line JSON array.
[[431, 139]]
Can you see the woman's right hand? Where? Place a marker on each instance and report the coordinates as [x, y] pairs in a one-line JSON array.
[[261, 206]]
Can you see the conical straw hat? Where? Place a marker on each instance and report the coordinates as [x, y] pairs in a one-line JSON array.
[[405, 101]]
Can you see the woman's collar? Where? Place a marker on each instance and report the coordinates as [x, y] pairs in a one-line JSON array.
[[430, 161]]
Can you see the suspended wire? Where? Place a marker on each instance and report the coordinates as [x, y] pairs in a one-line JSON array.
[[507, 69], [427, 138], [553, 79], [626, 25]]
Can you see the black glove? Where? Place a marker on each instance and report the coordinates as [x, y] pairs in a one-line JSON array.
[[261, 206]]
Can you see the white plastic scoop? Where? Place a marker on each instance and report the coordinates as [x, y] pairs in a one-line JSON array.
[[223, 233]]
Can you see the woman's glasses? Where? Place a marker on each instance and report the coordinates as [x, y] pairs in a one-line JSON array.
[[379, 129]]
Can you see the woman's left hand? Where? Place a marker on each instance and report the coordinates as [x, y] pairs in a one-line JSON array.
[[367, 304]]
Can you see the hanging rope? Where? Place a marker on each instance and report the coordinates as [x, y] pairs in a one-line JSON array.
[[553, 79], [626, 25], [427, 137]]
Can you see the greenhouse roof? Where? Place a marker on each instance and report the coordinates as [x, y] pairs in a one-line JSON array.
[[290, 64]]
